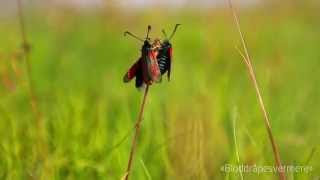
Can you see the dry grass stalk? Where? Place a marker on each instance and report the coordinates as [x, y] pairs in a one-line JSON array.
[[136, 134], [26, 51], [33, 98], [248, 63]]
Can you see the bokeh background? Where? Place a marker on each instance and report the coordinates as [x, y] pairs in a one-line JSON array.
[[191, 124]]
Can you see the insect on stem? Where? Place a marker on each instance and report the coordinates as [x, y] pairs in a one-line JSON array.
[[136, 134]]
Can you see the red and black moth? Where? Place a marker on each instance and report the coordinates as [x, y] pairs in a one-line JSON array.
[[155, 60]]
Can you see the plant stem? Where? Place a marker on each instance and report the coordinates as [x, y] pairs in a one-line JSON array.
[[136, 134], [26, 51], [234, 117], [32, 95], [247, 60]]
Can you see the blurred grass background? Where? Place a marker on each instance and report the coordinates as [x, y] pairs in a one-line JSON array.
[[78, 61]]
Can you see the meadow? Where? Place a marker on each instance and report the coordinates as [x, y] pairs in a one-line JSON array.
[[191, 124]]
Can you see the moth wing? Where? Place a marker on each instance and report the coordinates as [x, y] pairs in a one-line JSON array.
[[132, 72]]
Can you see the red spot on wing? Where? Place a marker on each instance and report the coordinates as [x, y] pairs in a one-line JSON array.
[[154, 68], [170, 53], [170, 59], [133, 69], [151, 71]]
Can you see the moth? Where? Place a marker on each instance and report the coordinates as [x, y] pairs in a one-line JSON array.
[[155, 60]]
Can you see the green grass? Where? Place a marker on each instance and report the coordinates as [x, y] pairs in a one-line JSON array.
[[187, 133]]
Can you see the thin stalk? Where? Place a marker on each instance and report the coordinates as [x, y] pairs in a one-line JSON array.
[[136, 134], [248, 63], [32, 95], [26, 52], [235, 140], [313, 151], [145, 170]]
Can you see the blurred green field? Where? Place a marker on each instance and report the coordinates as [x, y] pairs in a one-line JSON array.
[[78, 61]]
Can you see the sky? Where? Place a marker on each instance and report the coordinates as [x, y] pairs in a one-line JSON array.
[[8, 6], [127, 3], [179, 3]]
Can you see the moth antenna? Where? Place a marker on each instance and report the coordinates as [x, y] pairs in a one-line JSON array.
[[174, 31], [132, 35], [164, 33], [149, 29]]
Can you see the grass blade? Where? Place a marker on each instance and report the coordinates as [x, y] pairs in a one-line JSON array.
[[145, 170], [235, 139]]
